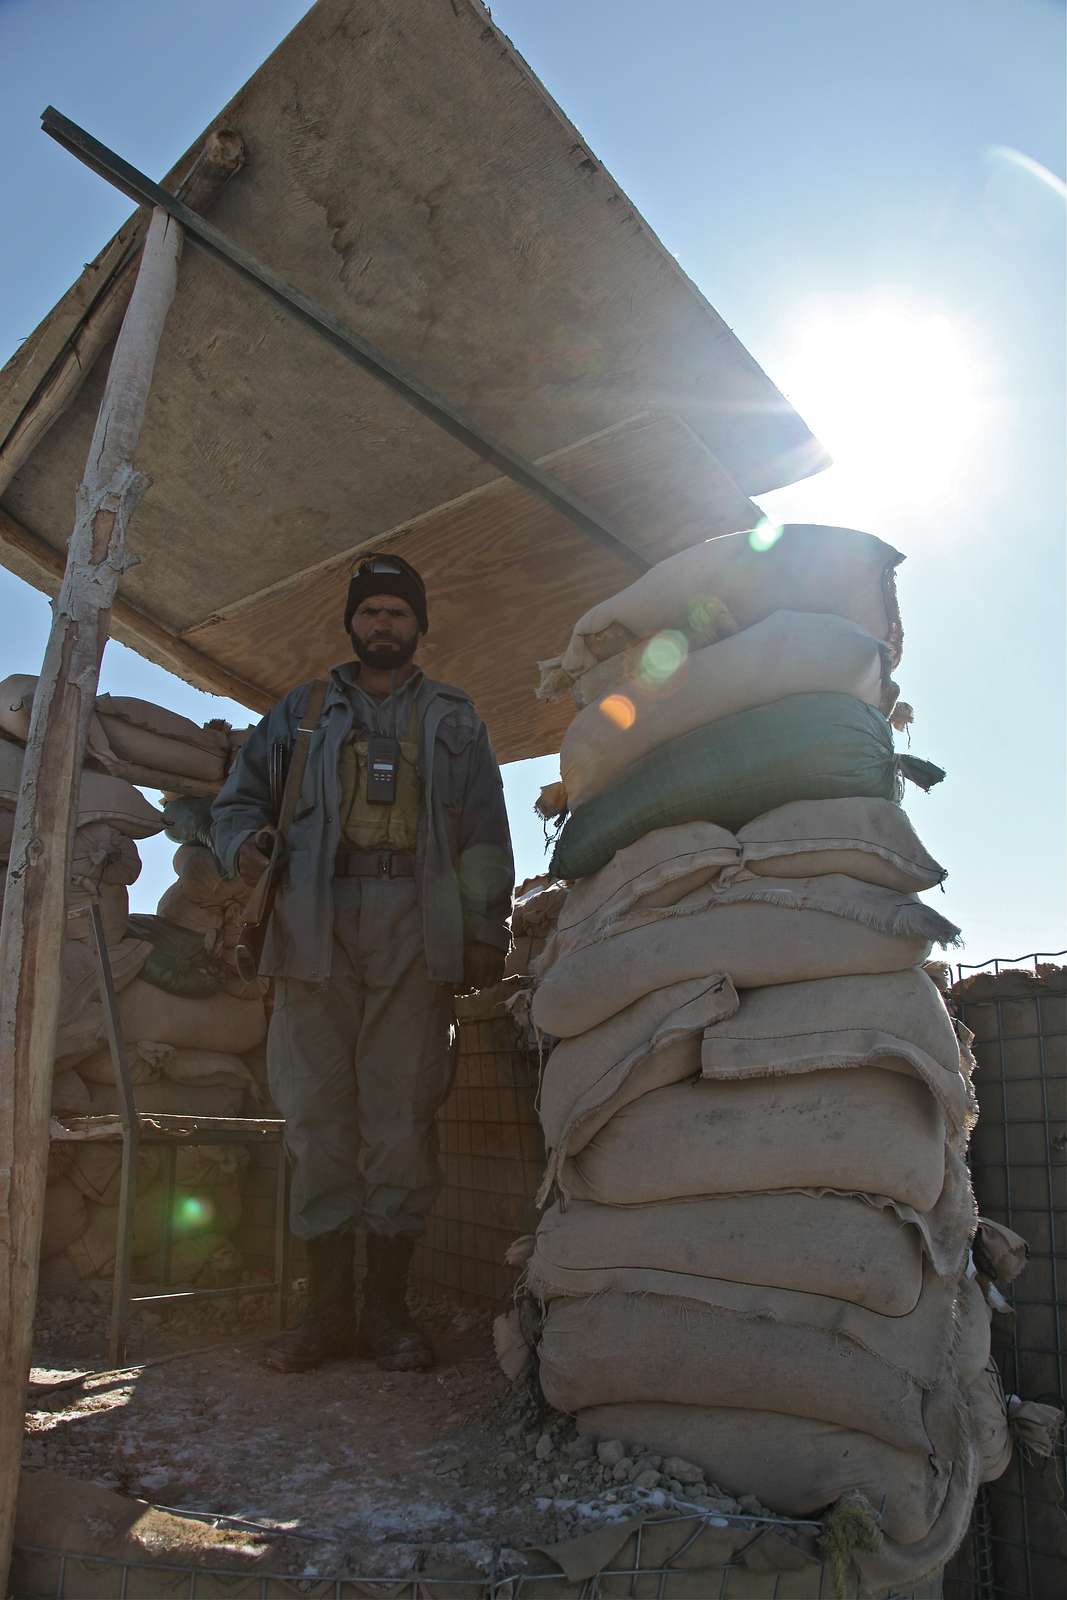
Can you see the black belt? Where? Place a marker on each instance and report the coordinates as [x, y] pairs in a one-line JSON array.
[[374, 864]]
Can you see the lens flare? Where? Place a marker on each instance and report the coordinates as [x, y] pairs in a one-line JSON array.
[[191, 1212], [662, 657], [765, 535], [619, 710]]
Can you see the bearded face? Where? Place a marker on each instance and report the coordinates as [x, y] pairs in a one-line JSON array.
[[385, 633]]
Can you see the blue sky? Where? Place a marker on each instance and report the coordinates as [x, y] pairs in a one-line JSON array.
[[867, 194]]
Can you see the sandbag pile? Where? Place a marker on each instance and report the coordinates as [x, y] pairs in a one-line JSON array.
[[535, 909], [756, 1252], [136, 740], [186, 1019]]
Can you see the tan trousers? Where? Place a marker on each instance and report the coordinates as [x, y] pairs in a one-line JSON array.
[[358, 1066]]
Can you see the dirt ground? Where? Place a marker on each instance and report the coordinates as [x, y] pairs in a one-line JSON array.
[[355, 1470]]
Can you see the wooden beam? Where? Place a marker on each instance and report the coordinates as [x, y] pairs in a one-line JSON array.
[[222, 156], [44, 567], [34, 912], [352, 345]]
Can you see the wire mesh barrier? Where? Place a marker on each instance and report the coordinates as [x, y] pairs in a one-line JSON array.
[[670, 1557], [1017, 1548], [492, 1156]]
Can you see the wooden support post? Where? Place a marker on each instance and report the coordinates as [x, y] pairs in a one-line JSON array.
[[31, 935]]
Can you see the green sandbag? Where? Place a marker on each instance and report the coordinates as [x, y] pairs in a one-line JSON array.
[[188, 819], [179, 963], [807, 747]]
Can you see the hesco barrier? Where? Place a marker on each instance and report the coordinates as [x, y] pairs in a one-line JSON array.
[[1018, 1543], [492, 1155], [661, 1559]]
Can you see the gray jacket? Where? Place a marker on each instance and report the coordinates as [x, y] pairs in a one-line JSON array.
[[464, 866]]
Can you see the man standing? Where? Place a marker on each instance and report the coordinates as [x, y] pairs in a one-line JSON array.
[[396, 890]]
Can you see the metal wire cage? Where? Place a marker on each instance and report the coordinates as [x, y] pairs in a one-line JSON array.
[[1017, 1010]]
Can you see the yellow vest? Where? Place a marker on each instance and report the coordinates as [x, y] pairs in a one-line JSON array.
[[365, 826]]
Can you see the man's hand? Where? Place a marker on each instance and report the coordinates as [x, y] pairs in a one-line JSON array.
[[483, 966], [253, 858]]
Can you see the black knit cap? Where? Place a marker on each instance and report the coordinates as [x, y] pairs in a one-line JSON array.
[[379, 573]]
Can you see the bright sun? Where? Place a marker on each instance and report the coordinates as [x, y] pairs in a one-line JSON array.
[[893, 395]]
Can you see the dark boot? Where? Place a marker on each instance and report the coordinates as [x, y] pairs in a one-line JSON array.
[[388, 1333], [328, 1333]]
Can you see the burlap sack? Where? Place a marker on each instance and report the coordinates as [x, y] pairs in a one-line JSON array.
[[989, 1418], [100, 798], [80, 1026], [868, 840], [808, 568], [208, 1067], [70, 1096], [145, 1064], [845, 1022], [830, 1245], [758, 932], [872, 840], [97, 1170], [16, 707], [102, 854], [659, 869], [633, 1349], [93, 1254], [795, 1466], [867, 1130], [114, 902], [158, 740], [973, 1332], [217, 1022], [66, 1217], [791, 652], [652, 1043], [203, 1100]]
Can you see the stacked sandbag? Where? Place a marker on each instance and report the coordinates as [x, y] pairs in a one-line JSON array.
[[535, 909], [756, 1253], [136, 740], [185, 1018]]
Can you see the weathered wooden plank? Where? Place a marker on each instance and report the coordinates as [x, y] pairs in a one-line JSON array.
[[33, 926]]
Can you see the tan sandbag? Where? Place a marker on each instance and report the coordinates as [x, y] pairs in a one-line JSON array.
[[1037, 1429], [833, 1246], [80, 1025], [808, 567], [758, 931], [864, 1130], [989, 1418], [845, 1022], [795, 1466], [633, 1349], [1000, 1251], [70, 1095], [652, 1043], [16, 707], [973, 1332], [145, 1065], [66, 1217], [102, 854], [100, 799], [202, 1254], [207, 1067], [216, 1022], [151, 737], [93, 1254], [203, 1100], [659, 869], [791, 652], [201, 881], [176, 907], [206, 1166], [114, 902], [97, 1170], [872, 840]]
